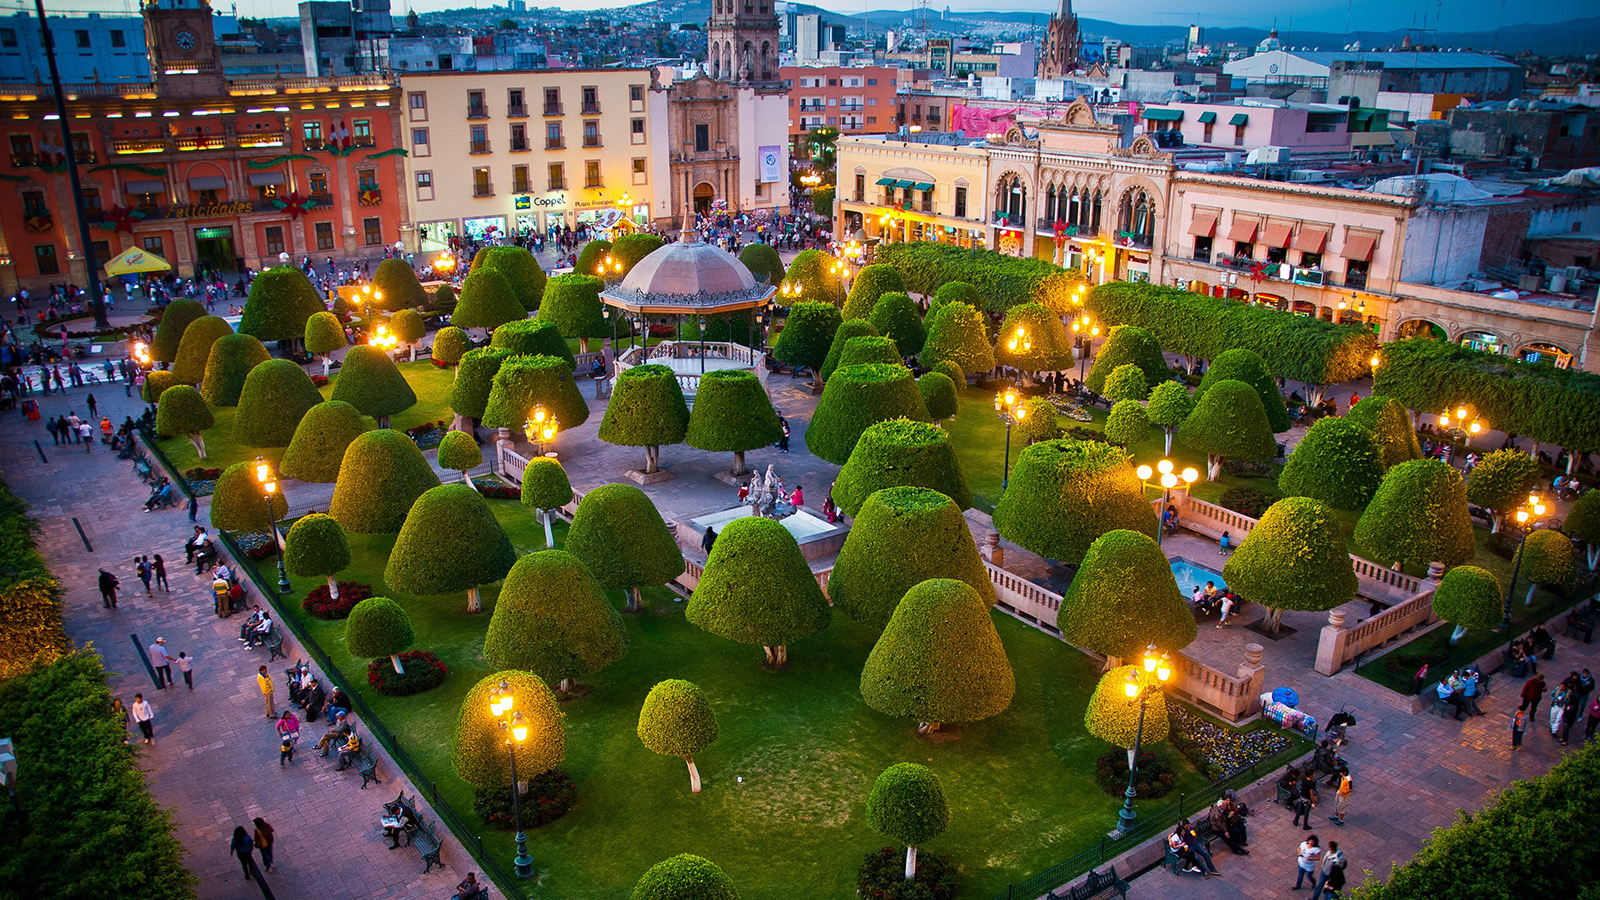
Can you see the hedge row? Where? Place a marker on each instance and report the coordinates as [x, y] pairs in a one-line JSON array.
[[1004, 281], [30, 597]]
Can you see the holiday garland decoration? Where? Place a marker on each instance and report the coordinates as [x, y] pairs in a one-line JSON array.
[[393, 151], [277, 160], [152, 171], [295, 204], [121, 218]]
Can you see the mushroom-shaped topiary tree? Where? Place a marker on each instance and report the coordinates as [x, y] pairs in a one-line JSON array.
[[856, 398], [1126, 382], [408, 328], [460, 451], [1583, 524], [677, 720], [487, 300], [450, 542], [545, 487], [1418, 516], [631, 248], [398, 283], [552, 620], [1228, 422], [449, 345], [525, 382], [869, 349], [371, 382], [1169, 404], [1468, 597], [763, 262], [277, 394], [871, 283], [938, 392], [925, 535], [572, 304], [469, 395], [194, 350], [1388, 420], [535, 337], [956, 335], [939, 659], [1247, 366], [896, 316], [1128, 423], [621, 538], [183, 411], [232, 358], [377, 627], [814, 271], [324, 334], [954, 292], [156, 382], [951, 371], [907, 805], [1065, 493], [591, 255], [1124, 598], [521, 271], [1113, 716], [317, 448], [1038, 421], [1295, 558], [685, 877], [850, 328], [1043, 345], [1337, 462], [444, 297], [757, 589], [732, 412], [1128, 344], [1546, 558], [240, 503], [281, 300], [480, 752], [382, 475], [896, 453], [646, 410], [807, 334], [169, 332], [1500, 482], [317, 547]]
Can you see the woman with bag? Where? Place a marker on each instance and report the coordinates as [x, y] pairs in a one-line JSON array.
[[263, 841]]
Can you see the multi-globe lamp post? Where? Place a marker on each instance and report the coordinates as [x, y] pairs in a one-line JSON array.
[[269, 486], [1084, 331], [1008, 406], [501, 701], [1020, 343], [1169, 479], [541, 428], [1141, 687], [1527, 518]]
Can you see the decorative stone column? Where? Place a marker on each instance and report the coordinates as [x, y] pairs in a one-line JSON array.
[[1435, 573], [1252, 669], [991, 548], [1330, 645]]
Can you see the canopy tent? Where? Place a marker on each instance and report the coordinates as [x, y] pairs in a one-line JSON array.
[[135, 261]]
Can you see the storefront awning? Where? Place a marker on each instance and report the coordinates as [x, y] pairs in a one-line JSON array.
[[1244, 229], [923, 186], [1207, 117], [1163, 114], [904, 183], [1276, 234], [1239, 119], [147, 186], [1311, 238], [1204, 223], [261, 179], [208, 183], [885, 182], [1358, 246]]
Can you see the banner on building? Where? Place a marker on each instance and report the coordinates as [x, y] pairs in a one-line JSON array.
[[771, 165]]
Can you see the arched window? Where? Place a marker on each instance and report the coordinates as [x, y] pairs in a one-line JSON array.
[[1050, 204], [1094, 223]]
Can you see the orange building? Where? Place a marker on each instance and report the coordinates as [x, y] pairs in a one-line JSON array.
[[855, 100]]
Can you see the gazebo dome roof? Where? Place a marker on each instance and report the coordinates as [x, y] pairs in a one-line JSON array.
[[689, 267]]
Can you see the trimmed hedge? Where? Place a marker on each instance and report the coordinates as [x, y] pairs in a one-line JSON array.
[[1127, 344], [281, 300], [317, 447], [480, 753], [676, 719], [1390, 423], [277, 395], [807, 334], [450, 344], [169, 331], [1038, 421], [685, 877], [1066, 493], [1229, 423], [757, 589], [382, 475], [907, 805], [371, 382], [855, 398], [324, 333], [1128, 423], [938, 392], [183, 411], [939, 659], [31, 630], [469, 394], [239, 503], [524, 382], [1469, 597], [459, 451], [631, 248], [194, 350], [1337, 462], [1549, 559], [954, 292], [619, 535], [400, 287], [1248, 367], [871, 283], [900, 453], [232, 357], [590, 256], [1418, 516], [572, 304], [545, 484], [1007, 280], [408, 327], [535, 337], [812, 270], [1501, 481], [1295, 558], [869, 349], [1127, 382], [896, 316], [487, 300], [847, 330], [732, 412], [646, 409], [956, 335], [316, 546], [763, 262], [521, 271], [376, 627], [1123, 598], [450, 542], [1049, 349], [553, 620], [1113, 716], [156, 382]]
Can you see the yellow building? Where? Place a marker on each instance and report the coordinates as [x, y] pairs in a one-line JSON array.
[[900, 191]]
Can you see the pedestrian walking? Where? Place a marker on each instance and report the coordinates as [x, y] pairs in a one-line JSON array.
[[161, 662], [94, 407], [86, 431], [186, 666], [1532, 692], [264, 681], [158, 567], [145, 716], [1332, 864], [263, 840], [54, 429], [1518, 726], [1341, 800], [783, 442], [1310, 852], [244, 848], [1305, 799], [194, 507], [141, 565], [108, 589]]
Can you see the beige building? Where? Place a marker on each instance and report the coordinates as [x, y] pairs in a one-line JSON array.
[[507, 152], [913, 192]]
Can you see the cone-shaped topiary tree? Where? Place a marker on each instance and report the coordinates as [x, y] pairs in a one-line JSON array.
[[480, 753], [525, 382], [449, 345], [1337, 462], [1128, 344], [897, 453], [232, 358], [240, 503], [763, 262], [732, 412], [907, 805], [460, 451], [1170, 403], [1113, 716], [850, 328], [685, 877], [1247, 366], [378, 626], [277, 394], [1066, 494], [408, 328], [469, 395], [169, 332], [956, 335], [1295, 558], [194, 350], [951, 371], [382, 475], [954, 292], [590, 255], [281, 300], [1388, 420], [545, 487], [677, 720], [1038, 421], [939, 659], [1228, 422], [1500, 483], [631, 248], [183, 411], [813, 271], [646, 410], [521, 271], [869, 349], [1127, 382], [757, 589], [487, 300], [1124, 598], [1043, 346], [1546, 558], [317, 448], [925, 534], [896, 316], [621, 538], [1419, 515], [156, 382], [1128, 423], [856, 398], [317, 547], [552, 620], [534, 337], [444, 297], [1583, 524], [572, 304], [450, 542], [871, 283], [807, 334], [371, 382], [324, 334], [398, 283], [1468, 597], [938, 392]]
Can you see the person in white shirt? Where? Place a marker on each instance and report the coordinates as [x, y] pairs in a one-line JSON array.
[[1310, 852], [161, 662], [262, 629], [145, 716]]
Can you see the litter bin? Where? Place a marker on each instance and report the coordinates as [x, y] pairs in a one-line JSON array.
[[31, 407]]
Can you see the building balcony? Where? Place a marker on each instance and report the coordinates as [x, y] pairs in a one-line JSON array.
[[555, 144], [483, 189], [476, 147], [591, 140], [591, 109], [557, 186], [85, 157], [22, 160], [519, 146], [521, 187], [38, 221], [477, 111], [552, 109], [1357, 280], [208, 142], [313, 145], [851, 107], [323, 200], [363, 140], [1009, 220], [593, 185], [516, 110]]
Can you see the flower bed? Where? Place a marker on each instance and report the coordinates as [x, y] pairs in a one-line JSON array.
[[1155, 777], [257, 545], [1218, 751], [1080, 433], [429, 434], [493, 488], [1240, 468], [1071, 408], [883, 877], [549, 796], [424, 672], [319, 380], [321, 606]]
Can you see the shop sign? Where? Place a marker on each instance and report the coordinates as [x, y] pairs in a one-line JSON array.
[[211, 210]]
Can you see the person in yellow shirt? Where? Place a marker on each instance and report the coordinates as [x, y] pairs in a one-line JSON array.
[[1342, 798], [264, 681]]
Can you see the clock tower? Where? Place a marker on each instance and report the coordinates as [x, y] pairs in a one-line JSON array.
[[182, 44]]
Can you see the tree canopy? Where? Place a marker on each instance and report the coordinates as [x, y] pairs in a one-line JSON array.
[[955, 292], [1295, 558], [763, 262], [1127, 382], [487, 300], [277, 395], [647, 410], [871, 283], [1113, 716], [1128, 424], [900, 452], [169, 331], [685, 877], [189, 366], [524, 382], [1337, 462], [732, 412], [1044, 346], [907, 805], [1389, 422], [183, 411], [1128, 345], [382, 475], [460, 451], [521, 272], [572, 304], [1066, 493], [622, 540], [1547, 558], [1469, 597], [857, 397], [848, 329], [480, 752], [450, 541], [232, 358], [371, 382], [399, 285], [240, 503], [317, 448], [631, 248], [590, 255], [317, 547], [281, 300], [450, 344], [1247, 366], [939, 658], [677, 720], [757, 589], [956, 335], [925, 535], [896, 316], [378, 626], [807, 333], [813, 271], [553, 620], [1228, 422], [938, 392], [469, 395], [1124, 598], [1418, 516], [324, 333], [534, 337], [1501, 481]]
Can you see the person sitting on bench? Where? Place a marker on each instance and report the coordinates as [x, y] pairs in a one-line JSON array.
[[250, 625], [349, 752], [1447, 694], [469, 888], [1186, 860], [397, 820], [258, 634], [337, 733]]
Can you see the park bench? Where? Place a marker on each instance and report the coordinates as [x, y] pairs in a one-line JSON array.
[[1203, 832], [1098, 886], [142, 466], [274, 644], [367, 765], [426, 843], [408, 808]]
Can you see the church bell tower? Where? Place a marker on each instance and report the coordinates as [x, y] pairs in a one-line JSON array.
[[742, 42], [184, 59]]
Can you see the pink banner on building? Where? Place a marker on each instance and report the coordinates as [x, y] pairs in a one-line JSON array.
[[977, 121]]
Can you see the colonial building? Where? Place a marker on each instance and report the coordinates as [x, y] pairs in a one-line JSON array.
[[1063, 44], [855, 100], [914, 192]]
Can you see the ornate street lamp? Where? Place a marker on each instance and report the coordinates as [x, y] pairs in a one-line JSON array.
[[1084, 331], [1007, 404], [501, 701], [1167, 482], [541, 428], [1462, 426], [1157, 669], [269, 487], [1528, 520]]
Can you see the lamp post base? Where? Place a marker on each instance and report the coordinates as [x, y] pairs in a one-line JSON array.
[[284, 587], [523, 862]]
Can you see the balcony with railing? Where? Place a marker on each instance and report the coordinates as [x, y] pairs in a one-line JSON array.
[[363, 140], [519, 145], [552, 109], [199, 142], [851, 107], [558, 184], [591, 108], [482, 189], [591, 140], [516, 110], [22, 160], [593, 184], [313, 144], [85, 156], [1011, 220], [322, 199], [477, 111], [521, 186], [476, 147], [555, 143]]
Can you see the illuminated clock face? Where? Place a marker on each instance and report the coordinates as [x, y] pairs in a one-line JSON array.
[[184, 39]]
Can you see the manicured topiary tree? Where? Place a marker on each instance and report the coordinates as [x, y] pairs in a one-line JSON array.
[[1337, 462], [1127, 383], [281, 300], [408, 328], [194, 350], [1546, 558], [277, 394], [460, 451], [1501, 482], [480, 752], [1127, 344], [857, 397], [487, 300], [1583, 524], [183, 411], [521, 271], [1037, 422], [950, 370], [449, 345], [907, 805], [956, 335], [316, 547], [939, 659], [1064, 494], [232, 358], [925, 535], [1170, 403], [1128, 423], [397, 282], [572, 304], [939, 395], [382, 475], [545, 487], [871, 283], [240, 503], [954, 292], [371, 382], [896, 453], [1295, 558], [647, 410], [324, 334], [677, 720], [1113, 716], [1247, 366], [534, 337], [378, 626], [525, 382], [763, 262], [732, 412], [813, 271], [444, 297], [685, 877], [1389, 422], [757, 589], [631, 248], [469, 395], [1124, 598], [169, 332], [1419, 515], [1468, 597], [621, 538], [552, 620], [1043, 346], [156, 381], [317, 448], [848, 329], [590, 255], [1228, 422], [807, 334], [870, 349], [897, 317], [450, 542]]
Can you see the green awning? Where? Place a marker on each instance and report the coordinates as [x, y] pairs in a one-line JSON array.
[[1163, 114], [1239, 119], [886, 182], [904, 183], [923, 186], [1207, 117]]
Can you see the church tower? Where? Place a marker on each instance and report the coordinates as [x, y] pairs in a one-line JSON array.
[[742, 42], [184, 59], [1058, 56]]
